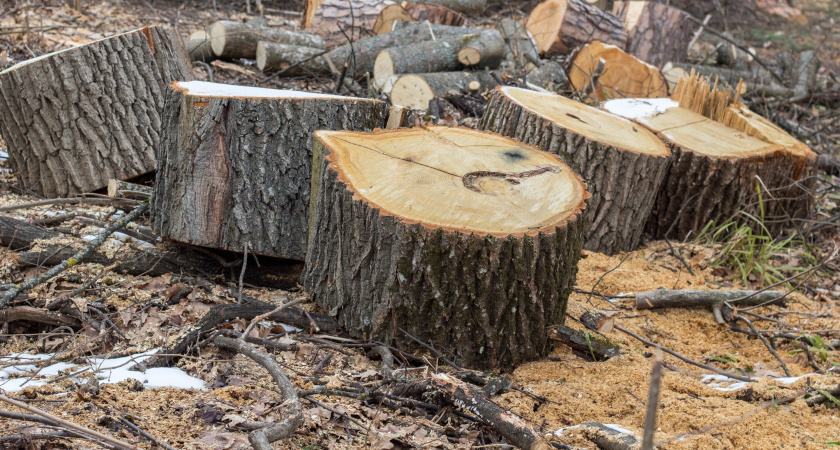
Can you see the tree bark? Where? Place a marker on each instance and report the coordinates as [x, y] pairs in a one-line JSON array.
[[550, 75], [198, 46], [341, 21], [235, 164], [713, 177], [385, 255], [234, 40], [663, 298], [561, 26], [656, 33], [520, 45], [469, 7], [605, 71], [271, 55], [416, 90], [76, 118], [487, 50], [623, 165]]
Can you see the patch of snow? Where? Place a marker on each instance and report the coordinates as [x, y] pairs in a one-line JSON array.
[[791, 380], [725, 383], [637, 108], [3, 155], [207, 89]]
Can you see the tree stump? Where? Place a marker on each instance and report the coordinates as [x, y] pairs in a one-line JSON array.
[[235, 163], [623, 165], [656, 33], [76, 118], [604, 71], [560, 26], [476, 254], [713, 177]]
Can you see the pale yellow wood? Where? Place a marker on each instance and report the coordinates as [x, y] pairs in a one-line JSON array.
[[623, 76], [457, 179], [545, 22], [589, 122]]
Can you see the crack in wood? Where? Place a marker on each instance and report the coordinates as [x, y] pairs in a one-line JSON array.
[[469, 179]]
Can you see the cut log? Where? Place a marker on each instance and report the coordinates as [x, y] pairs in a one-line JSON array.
[[341, 21], [663, 298], [117, 188], [475, 255], [234, 40], [71, 134], [620, 75], [235, 164], [198, 46], [623, 165], [656, 33], [417, 90], [486, 49], [470, 7], [550, 76], [271, 55], [714, 170], [520, 45], [561, 26], [416, 12]]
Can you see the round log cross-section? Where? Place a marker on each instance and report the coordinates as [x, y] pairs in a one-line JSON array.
[[715, 169], [623, 164], [235, 163], [461, 239], [76, 118]]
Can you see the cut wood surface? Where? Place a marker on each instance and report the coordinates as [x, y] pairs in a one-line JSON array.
[[71, 134], [417, 90], [271, 55], [234, 40], [236, 161], [416, 12], [341, 21], [623, 164], [561, 26], [198, 46], [486, 50], [466, 240], [605, 71], [656, 33], [714, 170]]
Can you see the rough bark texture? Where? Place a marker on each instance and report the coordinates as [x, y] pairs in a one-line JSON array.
[[271, 55], [521, 47], [623, 183], [486, 300], [685, 298], [74, 119], [234, 40], [341, 21], [471, 7], [235, 170], [417, 90], [656, 33], [487, 50], [560, 26]]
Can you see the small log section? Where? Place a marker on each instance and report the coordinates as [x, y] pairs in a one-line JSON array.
[[272, 55], [656, 33], [68, 134], [198, 46], [561, 26], [469, 7], [341, 21], [235, 164], [605, 71], [623, 164], [416, 12], [475, 252], [233, 40], [417, 90], [713, 174]]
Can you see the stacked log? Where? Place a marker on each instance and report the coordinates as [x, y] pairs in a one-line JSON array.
[[416, 12], [234, 40], [234, 163], [560, 26], [71, 134], [198, 46], [656, 33], [417, 90], [464, 240], [623, 165], [341, 21], [604, 71]]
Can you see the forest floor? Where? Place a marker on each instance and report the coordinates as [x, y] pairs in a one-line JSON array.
[[557, 393]]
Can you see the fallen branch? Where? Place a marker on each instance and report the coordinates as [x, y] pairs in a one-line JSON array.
[[590, 344], [30, 314], [70, 201], [261, 439]]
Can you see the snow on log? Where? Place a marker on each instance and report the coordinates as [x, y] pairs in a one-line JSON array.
[[602, 71], [417, 90], [234, 40], [623, 164], [656, 33], [76, 118], [561, 26], [465, 240], [235, 163]]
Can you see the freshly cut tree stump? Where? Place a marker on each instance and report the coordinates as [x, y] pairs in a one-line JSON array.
[[235, 163], [342, 21], [560, 26], [623, 165], [713, 177], [604, 71], [76, 118], [233, 40], [271, 55], [475, 252], [198, 46], [416, 12], [656, 33], [417, 90]]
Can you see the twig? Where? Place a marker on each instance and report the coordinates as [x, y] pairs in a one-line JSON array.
[[144, 433], [79, 256], [255, 320], [680, 257], [652, 403], [387, 360], [242, 274], [765, 342], [699, 32]]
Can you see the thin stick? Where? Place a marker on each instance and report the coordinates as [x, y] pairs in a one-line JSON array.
[[263, 316], [67, 424], [144, 433], [765, 342], [242, 274], [653, 402], [79, 256], [68, 201]]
